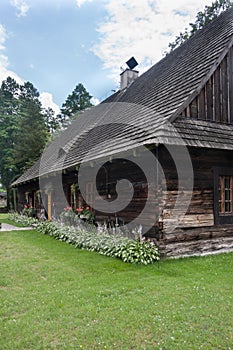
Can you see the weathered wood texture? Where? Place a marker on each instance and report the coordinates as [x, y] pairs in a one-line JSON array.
[[197, 241], [196, 233], [200, 211], [215, 101]]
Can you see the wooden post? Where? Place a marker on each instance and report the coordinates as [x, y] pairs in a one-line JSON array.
[[49, 206], [14, 196]]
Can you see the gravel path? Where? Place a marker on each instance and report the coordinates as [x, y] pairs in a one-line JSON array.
[[7, 227]]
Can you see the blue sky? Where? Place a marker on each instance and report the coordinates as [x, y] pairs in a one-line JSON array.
[[56, 44]]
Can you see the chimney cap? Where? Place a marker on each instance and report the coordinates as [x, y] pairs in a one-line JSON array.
[[132, 63]]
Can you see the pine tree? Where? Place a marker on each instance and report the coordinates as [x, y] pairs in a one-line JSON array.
[[32, 133], [202, 19], [77, 101]]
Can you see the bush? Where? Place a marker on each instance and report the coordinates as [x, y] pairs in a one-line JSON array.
[[29, 211], [22, 219], [140, 252], [71, 218], [68, 216], [86, 214]]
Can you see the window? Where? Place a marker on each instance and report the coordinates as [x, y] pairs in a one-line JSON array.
[[89, 194], [223, 195]]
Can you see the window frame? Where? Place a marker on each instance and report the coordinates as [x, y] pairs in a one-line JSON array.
[[89, 186], [219, 197]]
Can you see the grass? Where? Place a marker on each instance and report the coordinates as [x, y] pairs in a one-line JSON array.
[[4, 219], [53, 296]]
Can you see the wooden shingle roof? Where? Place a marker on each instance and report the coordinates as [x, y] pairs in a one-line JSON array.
[[142, 113]]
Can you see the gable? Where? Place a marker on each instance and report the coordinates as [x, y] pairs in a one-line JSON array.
[[215, 100]]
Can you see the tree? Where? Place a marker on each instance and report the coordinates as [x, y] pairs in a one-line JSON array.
[[76, 102], [9, 109], [32, 133], [202, 19], [23, 129], [54, 122]]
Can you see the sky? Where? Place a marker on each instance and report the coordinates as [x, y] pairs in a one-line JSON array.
[[57, 44]]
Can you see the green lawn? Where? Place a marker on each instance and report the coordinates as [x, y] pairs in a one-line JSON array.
[[53, 296], [4, 219]]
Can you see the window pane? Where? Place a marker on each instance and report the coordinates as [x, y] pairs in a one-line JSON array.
[[225, 194], [227, 181], [227, 207]]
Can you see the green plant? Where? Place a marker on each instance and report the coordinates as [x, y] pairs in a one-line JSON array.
[[140, 252], [86, 214], [29, 211], [68, 216], [22, 219], [48, 228]]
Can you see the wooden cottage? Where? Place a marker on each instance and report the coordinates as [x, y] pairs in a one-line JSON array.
[[180, 112]]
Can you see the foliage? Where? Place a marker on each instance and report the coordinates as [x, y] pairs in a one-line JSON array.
[[8, 126], [26, 127], [23, 220], [138, 252], [54, 122], [55, 297], [88, 237], [23, 129], [77, 101], [202, 19], [31, 137], [68, 216], [48, 228], [86, 214], [29, 211]]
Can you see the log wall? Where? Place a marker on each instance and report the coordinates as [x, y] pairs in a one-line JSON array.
[[197, 232]]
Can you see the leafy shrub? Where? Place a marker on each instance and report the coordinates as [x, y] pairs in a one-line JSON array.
[[87, 237], [29, 211], [68, 216], [48, 228], [22, 219], [140, 252], [86, 214]]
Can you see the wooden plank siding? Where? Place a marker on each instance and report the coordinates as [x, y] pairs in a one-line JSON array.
[[215, 101], [197, 232], [230, 67], [200, 212]]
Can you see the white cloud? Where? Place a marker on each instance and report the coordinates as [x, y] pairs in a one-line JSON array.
[[47, 101], [4, 63], [81, 2], [21, 6], [142, 29], [95, 101], [4, 73], [45, 98], [3, 36]]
